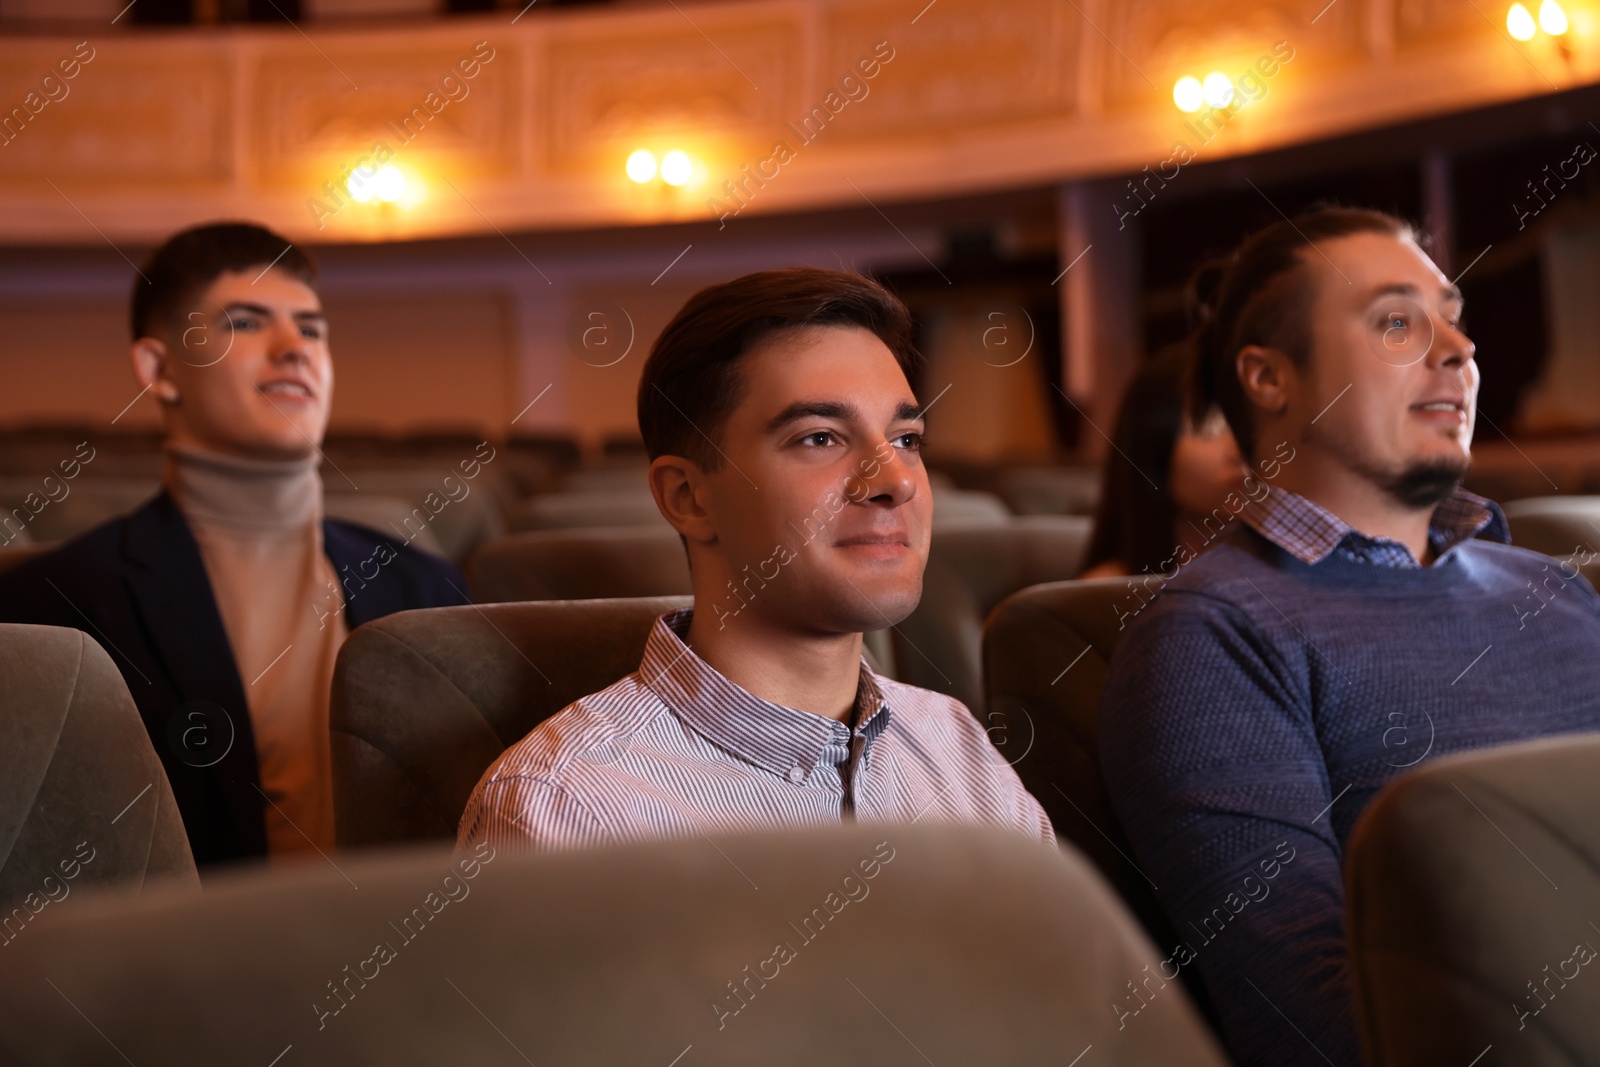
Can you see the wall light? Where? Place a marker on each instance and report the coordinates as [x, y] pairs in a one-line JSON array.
[[362, 185], [389, 184], [1188, 94], [676, 167], [386, 183], [641, 165], [1218, 89], [1552, 19], [1520, 24]]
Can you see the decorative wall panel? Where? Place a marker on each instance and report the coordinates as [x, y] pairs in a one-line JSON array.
[[161, 128], [133, 114]]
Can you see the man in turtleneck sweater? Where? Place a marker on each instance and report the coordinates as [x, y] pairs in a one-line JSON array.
[[225, 599]]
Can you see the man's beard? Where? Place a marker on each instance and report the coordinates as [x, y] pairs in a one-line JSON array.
[[1426, 484], [1423, 484]]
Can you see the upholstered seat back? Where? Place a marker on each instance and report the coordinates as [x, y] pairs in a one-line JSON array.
[[20, 551], [580, 564], [390, 516], [83, 798], [970, 570], [1051, 490], [1045, 654], [86, 502], [881, 945], [1555, 525], [424, 701], [564, 511], [968, 507], [603, 562], [1473, 893], [458, 513]]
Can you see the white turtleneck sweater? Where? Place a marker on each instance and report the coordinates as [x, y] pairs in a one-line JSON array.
[[259, 527]]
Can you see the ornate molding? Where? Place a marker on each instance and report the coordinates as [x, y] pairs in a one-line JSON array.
[[162, 129]]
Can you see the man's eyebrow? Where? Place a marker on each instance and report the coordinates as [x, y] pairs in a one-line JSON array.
[[245, 307], [1451, 293], [833, 409]]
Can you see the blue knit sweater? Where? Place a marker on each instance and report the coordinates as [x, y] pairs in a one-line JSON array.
[[1259, 703]]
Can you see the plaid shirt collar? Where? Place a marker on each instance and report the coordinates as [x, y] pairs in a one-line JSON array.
[[1311, 533]]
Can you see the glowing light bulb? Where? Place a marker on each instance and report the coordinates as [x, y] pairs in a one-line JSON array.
[[361, 185], [1520, 24], [676, 167], [1218, 89], [1552, 19], [642, 166], [389, 184], [1188, 94]]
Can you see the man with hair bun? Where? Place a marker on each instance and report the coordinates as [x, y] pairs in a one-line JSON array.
[[1368, 614], [224, 600]]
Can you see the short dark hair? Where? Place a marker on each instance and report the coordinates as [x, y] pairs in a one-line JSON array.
[[1261, 294], [181, 269], [690, 382]]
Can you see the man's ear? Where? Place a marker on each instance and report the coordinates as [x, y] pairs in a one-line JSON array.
[[151, 366], [1267, 377], [677, 484]]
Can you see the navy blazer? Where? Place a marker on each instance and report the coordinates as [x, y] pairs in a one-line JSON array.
[[138, 586]]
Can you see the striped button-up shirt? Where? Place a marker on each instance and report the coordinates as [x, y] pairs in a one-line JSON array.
[[676, 749], [1310, 532]]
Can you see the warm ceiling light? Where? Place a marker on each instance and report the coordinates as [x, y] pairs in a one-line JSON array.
[[676, 167], [1218, 89], [1520, 24], [1552, 19], [1188, 94], [360, 185], [642, 166], [389, 184]]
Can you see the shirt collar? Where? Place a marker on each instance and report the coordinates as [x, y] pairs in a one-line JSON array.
[[769, 735], [1311, 533]]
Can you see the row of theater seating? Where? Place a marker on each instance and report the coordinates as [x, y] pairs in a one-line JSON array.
[[435, 508], [1467, 880], [974, 563]]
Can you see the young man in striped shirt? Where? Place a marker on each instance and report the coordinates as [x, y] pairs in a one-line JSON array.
[[785, 449]]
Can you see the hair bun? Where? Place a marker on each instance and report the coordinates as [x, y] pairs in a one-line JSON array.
[[1203, 291]]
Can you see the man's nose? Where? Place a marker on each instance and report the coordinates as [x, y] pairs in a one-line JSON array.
[[886, 474]]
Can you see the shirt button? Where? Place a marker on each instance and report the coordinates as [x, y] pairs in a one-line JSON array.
[[796, 775]]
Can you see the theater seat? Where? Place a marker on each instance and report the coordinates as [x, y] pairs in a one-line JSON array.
[[613, 478], [971, 568], [564, 511], [460, 513], [1045, 655], [580, 564], [1471, 887], [906, 946], [1555, 525], [386, 515], [598, 563], [21, 551], [77, 507], [1051, 490], [954, 507], [83, 798], [424, 701]]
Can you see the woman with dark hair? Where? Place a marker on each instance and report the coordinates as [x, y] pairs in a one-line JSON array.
[[1165, 471]]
